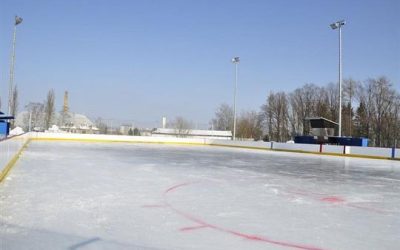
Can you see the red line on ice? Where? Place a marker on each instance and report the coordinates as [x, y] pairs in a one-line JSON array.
[[176, 186], [204, 224], [333, 199], [192, 228]]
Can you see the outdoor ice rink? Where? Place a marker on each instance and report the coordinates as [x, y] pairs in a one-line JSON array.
[[73, 195]]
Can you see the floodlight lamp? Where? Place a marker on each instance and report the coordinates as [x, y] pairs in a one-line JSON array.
[[18, 20], [338, 24], [235, 60]]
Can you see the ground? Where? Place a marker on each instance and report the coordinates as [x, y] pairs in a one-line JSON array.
[[70, 195]]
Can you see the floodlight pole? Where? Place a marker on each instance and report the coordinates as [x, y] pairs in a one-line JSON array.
[[338, 25], [18, 20], [235, 60], [340, 80]]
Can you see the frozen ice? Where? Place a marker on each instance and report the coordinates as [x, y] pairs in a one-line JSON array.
[[70, 195]]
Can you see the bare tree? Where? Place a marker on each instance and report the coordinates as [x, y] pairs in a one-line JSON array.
[[309, 100], [223, 119], [376, 114], [249, 126], [182, 126], [349, 90], [101, 125], [49, 110], [35, 115], [332, 91], [383, 100], [275, 113], [365, 111], [396, 122]]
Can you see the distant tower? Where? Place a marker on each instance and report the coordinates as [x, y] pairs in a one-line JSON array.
[[164, 122], [65, 111], [65, 107]]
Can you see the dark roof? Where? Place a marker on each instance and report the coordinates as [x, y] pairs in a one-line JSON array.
[[6, 117], [321, 122]]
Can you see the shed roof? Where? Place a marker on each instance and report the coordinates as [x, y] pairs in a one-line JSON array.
[[321, 122]]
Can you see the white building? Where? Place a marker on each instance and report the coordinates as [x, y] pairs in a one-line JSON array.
[[74, 123], [192, 133]]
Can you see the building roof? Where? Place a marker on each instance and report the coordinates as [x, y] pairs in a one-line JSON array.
[[77, 120], [321, 122], [5, 117], [193, 132]]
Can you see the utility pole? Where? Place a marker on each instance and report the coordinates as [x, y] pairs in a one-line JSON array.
[[236, 61]]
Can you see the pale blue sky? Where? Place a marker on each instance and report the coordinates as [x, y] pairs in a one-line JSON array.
[[141, 60]]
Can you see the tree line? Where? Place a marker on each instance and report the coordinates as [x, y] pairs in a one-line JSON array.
[[39, 114], [370, 109]]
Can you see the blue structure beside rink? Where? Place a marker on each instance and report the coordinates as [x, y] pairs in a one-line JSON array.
[[4, 125], [305, 139], [334, 140], [322, 132], [349, 141], [4, 128]]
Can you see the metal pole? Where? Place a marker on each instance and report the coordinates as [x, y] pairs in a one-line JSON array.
[[351, 105], [10, 89], [234, 102], [340, 80]]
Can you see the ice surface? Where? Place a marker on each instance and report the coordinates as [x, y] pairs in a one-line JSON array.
[[69, 195]]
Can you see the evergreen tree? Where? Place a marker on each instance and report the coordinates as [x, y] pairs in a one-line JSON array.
[[361, 121]]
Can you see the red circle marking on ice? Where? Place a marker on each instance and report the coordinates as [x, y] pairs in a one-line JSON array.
[[203, 224], [332, 199]]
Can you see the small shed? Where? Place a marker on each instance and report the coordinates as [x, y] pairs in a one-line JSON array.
[[321, 126], [5, 124]]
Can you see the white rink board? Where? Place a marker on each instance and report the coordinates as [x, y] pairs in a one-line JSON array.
[[249, 144], [332, 149], [296, 146], [372, 151]]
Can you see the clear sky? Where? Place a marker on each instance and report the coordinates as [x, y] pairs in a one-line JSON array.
[[141, 60]]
